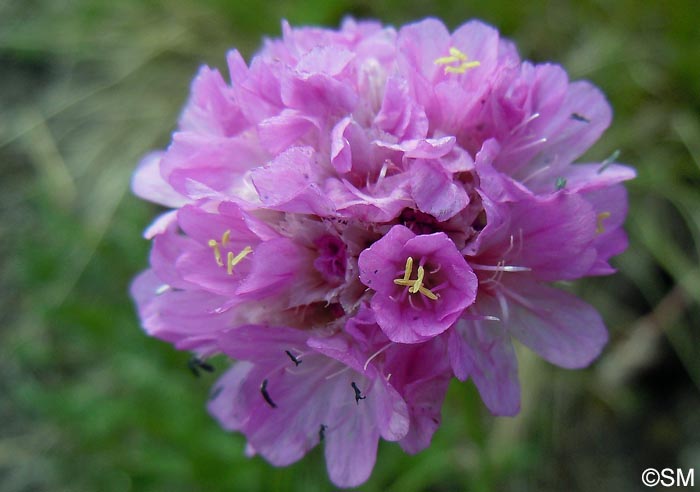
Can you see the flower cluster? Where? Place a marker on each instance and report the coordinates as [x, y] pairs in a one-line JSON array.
[[361, 214]]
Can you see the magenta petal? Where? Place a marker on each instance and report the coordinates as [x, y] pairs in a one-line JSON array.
[[261, 344], [231, 417], [388, 407], [161, 224], [557, 325], [300, 193], [351, 450], [212, 108], [581, 177], [420, 44], [492, 183], [351, 446], [340, 348], [188, 319], [610, 205], [285, 130], [424, 398], [316, 84], [552, 236], [285, 433], [400, 115], [427, 148], [148, 184], [399, 324], [199, 268], [421, 374], [376, 263], [274, 265], [391, 412], [483, 351], [194, 162], [167, 248], [434, 190], [273, 407], [381, 203], [480, 42], [350, 149], [341, 153], [556, 235], [614, 243], [257, 89], [586, 100], [203, 226]]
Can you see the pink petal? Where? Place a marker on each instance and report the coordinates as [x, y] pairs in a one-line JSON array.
[[434, 190], [483, 351], [557, 325], [147, 183], [351, 450], [300, 193]]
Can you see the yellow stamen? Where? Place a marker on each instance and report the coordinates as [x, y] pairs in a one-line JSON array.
[[232, 261], [409, 269], [417, 284], [463, 67], [456, 53], [213, 243], [459, 58], [600, 229], [406, 274], [428, 293]]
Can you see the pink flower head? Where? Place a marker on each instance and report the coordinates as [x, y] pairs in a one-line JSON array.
[[358, 215]]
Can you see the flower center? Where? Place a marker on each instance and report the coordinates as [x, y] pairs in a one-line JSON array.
[[332, 258], [231, 259], [416, 285], [456, 62]]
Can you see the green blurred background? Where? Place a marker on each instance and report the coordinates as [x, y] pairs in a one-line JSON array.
[[88, 403]]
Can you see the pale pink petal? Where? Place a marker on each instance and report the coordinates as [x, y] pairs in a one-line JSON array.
[[560, 327], [482, 350], [147, 183]]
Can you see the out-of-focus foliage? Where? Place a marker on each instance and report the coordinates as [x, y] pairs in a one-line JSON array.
[[89, 403]]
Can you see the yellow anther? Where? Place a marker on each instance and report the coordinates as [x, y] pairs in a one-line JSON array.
[[213, 243], [409, 269], [456, 57], [457, 54], [417, 284], [226, 237], [462, 67], [600, 229], [232, 261], [406, 274], [428, 293]]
